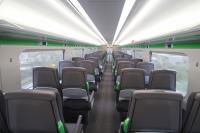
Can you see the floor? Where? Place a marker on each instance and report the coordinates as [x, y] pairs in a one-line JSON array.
[[104, 117]]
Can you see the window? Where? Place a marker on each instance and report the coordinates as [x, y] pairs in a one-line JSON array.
[[30, 59], [139, 54], [177, 62]]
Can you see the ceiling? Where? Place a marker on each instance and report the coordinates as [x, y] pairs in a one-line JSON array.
[[105, 15]]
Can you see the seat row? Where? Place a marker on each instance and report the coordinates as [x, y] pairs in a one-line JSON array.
[[162, 111], [76, 81], [34, 111]]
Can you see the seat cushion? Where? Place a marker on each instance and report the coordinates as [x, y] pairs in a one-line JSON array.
[[76, 104], [71, 127]]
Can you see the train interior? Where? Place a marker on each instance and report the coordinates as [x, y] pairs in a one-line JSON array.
[[99, 66]]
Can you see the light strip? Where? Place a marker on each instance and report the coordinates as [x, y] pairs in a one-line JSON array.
[[51, 17], [85, 15], [128, 5], [180, 20]]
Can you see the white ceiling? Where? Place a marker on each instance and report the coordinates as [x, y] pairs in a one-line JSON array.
[[105, 15]]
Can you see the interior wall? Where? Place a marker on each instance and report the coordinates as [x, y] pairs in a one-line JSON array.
[[194, 64], [10, 64]]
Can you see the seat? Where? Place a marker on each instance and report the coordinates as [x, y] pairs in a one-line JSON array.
[[46, 77], [163, 79], [148, 67], [65, 63], [75, 93], [191, 121], [77, 59], [131, 79], [154, 111], [97, 70], [3, 123], [136, 60], [90, 73], [36, 111], [116, 62], [121, 65]]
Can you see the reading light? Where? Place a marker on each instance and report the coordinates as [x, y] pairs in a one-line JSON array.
[[128, 5], [51, 17]]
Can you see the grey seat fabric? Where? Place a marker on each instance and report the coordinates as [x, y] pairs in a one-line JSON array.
[[131, 79], [124, 64], [136, 60], [191, 123], [65, 63], [33, 111], [90, 71], [46, 77], [163, 79], [77, 59], [3, 123], [155, 111], [76, 96]]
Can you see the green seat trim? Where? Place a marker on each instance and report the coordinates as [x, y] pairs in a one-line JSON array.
[[126, 125], [117, 88], [87, 85], [60, 126]]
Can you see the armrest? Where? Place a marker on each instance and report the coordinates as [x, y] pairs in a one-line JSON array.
[[78, 124], [91, 96], [121, 127]]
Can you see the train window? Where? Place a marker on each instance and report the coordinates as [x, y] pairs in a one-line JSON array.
[[138, 54], [174, 61], [78, 52], [30, 59]]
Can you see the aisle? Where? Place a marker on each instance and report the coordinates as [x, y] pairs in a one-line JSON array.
[[104, 117]]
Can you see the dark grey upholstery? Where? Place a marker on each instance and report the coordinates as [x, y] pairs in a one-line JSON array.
[[74, 77], [65, 63], [3, 124], [163, 79], [75, 94], [46, 77], [136, 60], [77, 59], [155, 111], [88, 65], [33, 111], [131, 79], [191, 123], [124, 64]]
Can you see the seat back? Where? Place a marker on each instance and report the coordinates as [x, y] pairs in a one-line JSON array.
[[147, 66], [132, 78], [136, 60], [74, 77], [32, 111], [45, 77], [163, 79], [65, 63], [191, 123], [124, 64], [88, 65], [94, 59], [3, 124], [77, 59], [155, 111]]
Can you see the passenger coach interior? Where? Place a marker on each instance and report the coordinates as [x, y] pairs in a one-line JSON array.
[[99, 66]]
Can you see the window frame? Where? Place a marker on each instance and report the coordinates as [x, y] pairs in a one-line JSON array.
[[28, 85]]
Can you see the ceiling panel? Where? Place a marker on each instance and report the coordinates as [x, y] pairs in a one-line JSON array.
[[105, 15]]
